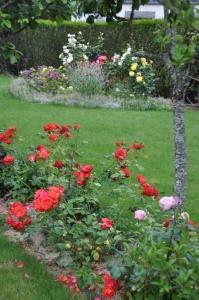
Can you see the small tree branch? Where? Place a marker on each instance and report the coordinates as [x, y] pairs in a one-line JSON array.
[[33, 19], [5, 5]]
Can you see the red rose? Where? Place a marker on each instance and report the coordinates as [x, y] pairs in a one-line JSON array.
[[137, 146], [106, 223], [53, 137], [17, 225], [70, 126], [58, 164], [51, 127], [18, 210], [108, 292], [68, 135], [8, 160], [27, 221], [55, 193], [120, 143], [120, 154], [166, 223], [110, 286], [149, 190], [141, 179], [127, 173], [43, 153], [62, 278], [77, 126], [32, 157], [87, 171], [63, 129]]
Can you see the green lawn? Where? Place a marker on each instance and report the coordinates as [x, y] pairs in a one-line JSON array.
[[101, 128], [32, 282]]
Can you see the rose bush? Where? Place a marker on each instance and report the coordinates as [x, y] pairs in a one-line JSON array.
[[61, 200]]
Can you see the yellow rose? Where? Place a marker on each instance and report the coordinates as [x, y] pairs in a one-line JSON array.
[[134, 66], [131, 73], [44, 70], [143, 60], [139, 79]]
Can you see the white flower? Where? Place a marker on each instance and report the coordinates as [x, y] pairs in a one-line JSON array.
[[117, 90], [119, 63], [70, 88], [66, 51], [134, 58], [85, 57]]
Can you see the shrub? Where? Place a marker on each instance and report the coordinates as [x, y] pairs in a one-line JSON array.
[[153, 255], [87, 78]]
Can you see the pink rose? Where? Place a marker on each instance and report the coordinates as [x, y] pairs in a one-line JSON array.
[[140, 214], [166, 203]]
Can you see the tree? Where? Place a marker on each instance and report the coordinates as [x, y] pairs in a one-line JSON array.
[[17, 15], [179, 37]]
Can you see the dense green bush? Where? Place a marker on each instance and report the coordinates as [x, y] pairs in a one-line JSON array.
[[44, 45]]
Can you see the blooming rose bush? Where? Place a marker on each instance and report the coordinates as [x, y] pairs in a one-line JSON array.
[[136, 74], [156, 257], [78, 51]]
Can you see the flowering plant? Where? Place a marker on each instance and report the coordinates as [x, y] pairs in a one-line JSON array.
[[48, 79], [136, 73], [77, 50]]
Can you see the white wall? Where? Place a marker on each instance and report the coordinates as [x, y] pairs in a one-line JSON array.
[[158, 9]]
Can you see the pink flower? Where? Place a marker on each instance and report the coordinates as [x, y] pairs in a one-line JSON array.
[[106, 223], [166, 203], [140, 214], [101, 59], [20, 264]]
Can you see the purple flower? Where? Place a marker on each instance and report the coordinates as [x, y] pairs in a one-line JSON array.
[[166, 203], [53, 74], [27, 73], [140, 214]]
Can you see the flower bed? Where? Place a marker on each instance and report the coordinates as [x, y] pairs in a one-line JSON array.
[[54, 196], [87, 77]]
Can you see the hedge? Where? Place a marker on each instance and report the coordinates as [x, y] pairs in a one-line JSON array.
[[43, 45]]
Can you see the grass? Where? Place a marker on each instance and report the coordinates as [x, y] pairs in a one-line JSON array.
[[31, 282], [101, 128]]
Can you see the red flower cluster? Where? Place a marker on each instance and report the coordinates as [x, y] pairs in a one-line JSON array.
[[16, 216], [8, 134], [120, 154], [51, 127], [70, 281], [56, 129], [44, 201], [83, 174], [58, 164], [8, 160], [148, 190], [111, 286], [42, 153], [126, 172], [120, 143], [106, 223], [53, 137], [137, 146]]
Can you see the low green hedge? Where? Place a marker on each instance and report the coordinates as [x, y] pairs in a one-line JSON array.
[[43, 45]]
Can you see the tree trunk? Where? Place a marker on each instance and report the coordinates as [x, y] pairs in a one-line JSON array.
[[179, 91], [180, 150]]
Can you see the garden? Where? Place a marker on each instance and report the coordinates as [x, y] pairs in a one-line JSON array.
[[98, 185]]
